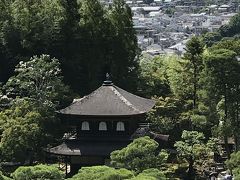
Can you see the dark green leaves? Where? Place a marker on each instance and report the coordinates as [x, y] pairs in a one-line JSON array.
[[139, 155]]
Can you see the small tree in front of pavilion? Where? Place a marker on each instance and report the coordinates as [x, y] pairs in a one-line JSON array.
[[193, 149], [139, 155]]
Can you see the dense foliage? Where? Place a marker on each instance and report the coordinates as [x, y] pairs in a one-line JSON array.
[[20, 132], [36, 90], [2, 177], [109, 173], [40, 80], [87, 38], [102, 173], [197, 95], [195, 151], [38, 172], [234, 164], [151, 174], [141, 154]]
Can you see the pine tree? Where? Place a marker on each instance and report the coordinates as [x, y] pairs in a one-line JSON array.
[[125, 51]]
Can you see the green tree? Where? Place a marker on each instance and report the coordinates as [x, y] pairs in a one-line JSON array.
[[230, 44], [184, 75], [2, 177], [234, 161], [192, 148], [150, 174], [88, 38], [153, 75], [194, 50], [167, 117], [30, 119], [109, 173], [103, 41], [20, 132], [40, 80], [223, 74], [170, 12], [211, 38], [69, 52], [38, 172], [236, 173], [232, 28], [124, 51], [28, 28], [173, 112], [234, 164], [94, 31], [139, 155], [8, 41], [102, 173], [38, 23]]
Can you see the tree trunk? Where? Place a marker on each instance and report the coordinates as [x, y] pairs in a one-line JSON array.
[[194, 91], [236, 141], [236, 135], [227, 147], [225, 119], [194, 86], [190, 169]]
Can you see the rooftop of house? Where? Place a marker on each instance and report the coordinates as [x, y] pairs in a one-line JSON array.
[[87, 148], [147, 8], [109, 100]]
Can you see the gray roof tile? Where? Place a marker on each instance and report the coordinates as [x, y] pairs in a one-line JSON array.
[[109, 100]]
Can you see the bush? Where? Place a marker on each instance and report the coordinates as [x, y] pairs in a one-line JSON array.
[[236, 173], [38, 172], [150, 174], [234, 161], [102, 173], [2, 177], [139, 155], [109, 173], [234, 164]]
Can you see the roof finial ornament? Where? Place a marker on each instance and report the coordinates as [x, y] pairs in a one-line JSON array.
[[107, 82], [107, 77]]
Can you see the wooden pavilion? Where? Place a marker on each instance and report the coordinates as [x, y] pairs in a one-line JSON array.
[[100, 122]]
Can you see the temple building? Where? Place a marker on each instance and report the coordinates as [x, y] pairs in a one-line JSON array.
[[106, 120]]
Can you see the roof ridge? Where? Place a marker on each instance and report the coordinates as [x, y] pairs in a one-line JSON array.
[[116, 87], [123, 99]]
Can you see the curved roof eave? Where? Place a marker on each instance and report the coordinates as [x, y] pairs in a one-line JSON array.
[[109, 101]]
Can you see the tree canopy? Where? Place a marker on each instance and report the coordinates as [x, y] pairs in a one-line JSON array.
[[102, 173], [109, 173], [89, 43], [193, 148], [139, 155], [38, 172], [20, 132], [50, 49], [39, 79], [232, 28]]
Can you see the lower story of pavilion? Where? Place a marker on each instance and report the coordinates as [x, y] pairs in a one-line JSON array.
[[78, 154], [89, 152]]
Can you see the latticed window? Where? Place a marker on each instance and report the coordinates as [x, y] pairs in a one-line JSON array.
[[102, 126], [120, 126], [85, 126]]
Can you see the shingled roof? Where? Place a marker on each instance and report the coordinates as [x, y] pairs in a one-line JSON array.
[[85, 148], [109, 100]]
